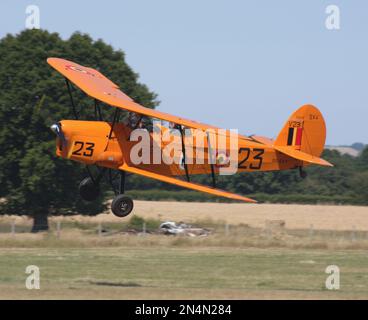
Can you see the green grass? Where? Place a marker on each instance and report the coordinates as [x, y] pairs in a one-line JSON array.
[[160, 272], [246, 263]]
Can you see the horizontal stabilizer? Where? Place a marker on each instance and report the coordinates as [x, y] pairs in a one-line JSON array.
[[302, 156], [185, 184]]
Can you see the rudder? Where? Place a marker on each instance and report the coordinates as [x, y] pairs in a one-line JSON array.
[[305, 131]]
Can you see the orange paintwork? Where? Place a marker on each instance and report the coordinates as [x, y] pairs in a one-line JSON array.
[[99, 87], [299, 143]]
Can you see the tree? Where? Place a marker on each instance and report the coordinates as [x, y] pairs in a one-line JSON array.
[[33, 96]]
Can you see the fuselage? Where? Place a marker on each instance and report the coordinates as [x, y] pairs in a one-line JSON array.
[[93, 142]]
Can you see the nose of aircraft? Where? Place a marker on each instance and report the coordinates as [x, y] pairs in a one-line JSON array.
[[56, 128]]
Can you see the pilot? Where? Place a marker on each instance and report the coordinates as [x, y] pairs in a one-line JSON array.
[[133, 120], [136, 121]]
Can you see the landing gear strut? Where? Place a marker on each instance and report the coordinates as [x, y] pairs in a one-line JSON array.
[[89, 190]]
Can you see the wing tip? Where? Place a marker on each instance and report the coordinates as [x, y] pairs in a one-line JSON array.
[[325, 163], [329, 164], [50, 59], [249, 200]]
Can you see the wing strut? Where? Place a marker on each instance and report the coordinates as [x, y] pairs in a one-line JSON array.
[[71, 98], [98, 110], [115, 119], [211, 161], [183, 151]]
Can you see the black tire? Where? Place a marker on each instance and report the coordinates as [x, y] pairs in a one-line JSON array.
[[88, 190], [122, 205]]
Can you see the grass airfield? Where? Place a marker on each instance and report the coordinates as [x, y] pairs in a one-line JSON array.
[[246, 261]]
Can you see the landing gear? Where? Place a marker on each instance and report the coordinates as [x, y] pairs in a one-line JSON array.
[[89, 189], [122, 205], [302, 173]]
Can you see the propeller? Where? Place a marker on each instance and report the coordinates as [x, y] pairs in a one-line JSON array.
[[56, 128]]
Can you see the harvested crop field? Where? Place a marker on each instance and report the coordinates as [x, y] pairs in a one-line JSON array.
[[296, 216], [322, 217]]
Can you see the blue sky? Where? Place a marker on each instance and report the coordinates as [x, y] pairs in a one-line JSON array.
[[235, 64]]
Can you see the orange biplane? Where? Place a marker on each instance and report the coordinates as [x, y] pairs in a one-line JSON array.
[[109, 145]]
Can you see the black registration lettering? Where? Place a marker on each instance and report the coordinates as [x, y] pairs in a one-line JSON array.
[[259, 158], [244, 154], [88, 150], [78, 150], [243, 151]]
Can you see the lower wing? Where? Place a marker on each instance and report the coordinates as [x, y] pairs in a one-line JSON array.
[[185, 184]]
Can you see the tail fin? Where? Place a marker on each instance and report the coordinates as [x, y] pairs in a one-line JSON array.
[[303, 136]]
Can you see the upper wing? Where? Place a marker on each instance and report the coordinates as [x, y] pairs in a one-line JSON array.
[[185, 184], [96, 85]]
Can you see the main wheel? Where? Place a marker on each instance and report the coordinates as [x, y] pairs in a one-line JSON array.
[[122, 205], [88, 190]]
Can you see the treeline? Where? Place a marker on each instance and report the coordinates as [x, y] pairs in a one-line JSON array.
[[33, 181]]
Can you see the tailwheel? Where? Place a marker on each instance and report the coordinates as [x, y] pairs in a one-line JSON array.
[[122, 205], [88, 190]]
